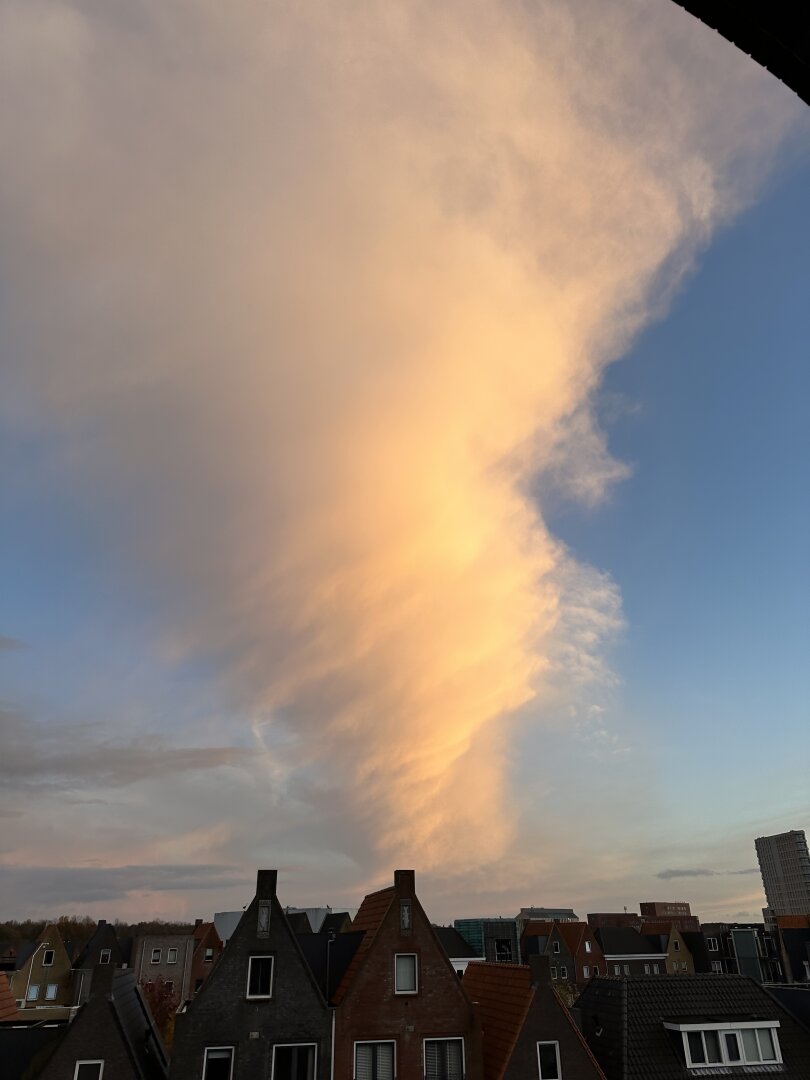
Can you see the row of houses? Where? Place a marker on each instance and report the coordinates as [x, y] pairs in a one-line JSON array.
[[382, 999]]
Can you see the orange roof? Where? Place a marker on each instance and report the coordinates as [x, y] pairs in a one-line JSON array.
[[571, 933], [537, 928], [502, 994], [8, 1006], [368, 918]]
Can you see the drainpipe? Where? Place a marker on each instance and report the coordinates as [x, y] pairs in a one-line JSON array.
[[44, 945], [332, 1056]]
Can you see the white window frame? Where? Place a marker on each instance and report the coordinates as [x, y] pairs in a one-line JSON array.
[[556, 1045], [105, 956], [627, 969], [563, 971], [711, 944], [89, 1061], [617, 969], [647, 969], [586, 971], [722, 1030], [277, 1046], [588, 946], [655, 969], [446, 1038], [32, 993], [159, 953], [375, 1042], [51, 991], [208, 958], [415, 973], [169, 958], [676, 945], [205, 1059], [260, 997], [555, 946], [554, 973], [45, 961], [717, 967]]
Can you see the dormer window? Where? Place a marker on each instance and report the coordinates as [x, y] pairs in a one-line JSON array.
[[718, 1045]]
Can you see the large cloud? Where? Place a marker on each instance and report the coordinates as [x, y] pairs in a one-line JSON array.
[[307, 297]]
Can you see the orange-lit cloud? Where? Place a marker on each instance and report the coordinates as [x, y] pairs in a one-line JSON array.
[[310, 296]]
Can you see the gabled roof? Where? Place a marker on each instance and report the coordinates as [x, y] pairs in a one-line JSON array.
[[453, 943], [502, 994], [336, 921], [368, 919], [572, 934], [8, 1006], [624, 941]]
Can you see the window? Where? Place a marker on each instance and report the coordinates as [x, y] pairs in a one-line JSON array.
[[263, 920], [171, 956], [627, 969], [155, 956], [586, 972], [169, 986], [503, 950], [684, 966], [554, 973], [51, 991], [209, 955], [89, 1070], [444, 1059], [374, 1061], [655, 969], [556, 947], [548, 1060], [47, 958], [676, 945], [405, 973], [711, 944], [563, 971], [104, 956], [717, 967], [218, 1063], [294, 1062], [646, 969], [617, 969], [720, 1045], [587, 946], [260, 976], [595, 970], [405, 916], [33, 992]]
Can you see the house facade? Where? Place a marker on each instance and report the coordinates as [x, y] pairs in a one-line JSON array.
[[260, 1013], [44, 978], [402, 1010]]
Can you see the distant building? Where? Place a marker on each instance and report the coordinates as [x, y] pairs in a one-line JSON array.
[[496, 940], [597, 919], [784, 863], [677, 913], [552, 914], [742, 949]]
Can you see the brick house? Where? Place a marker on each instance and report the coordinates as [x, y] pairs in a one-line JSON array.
[[402, 1010], [112, 1036], [527, 1031], [260, 1013], [627, 952], [104, 949], [669, 938], [207, 950]]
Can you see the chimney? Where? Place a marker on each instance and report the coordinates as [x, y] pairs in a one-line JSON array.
[[102, 922], [197, 922], [405, 883], [266, 881]]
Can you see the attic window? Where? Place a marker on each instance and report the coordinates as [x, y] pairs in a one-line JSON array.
[[711, 944], [587, 946], [33, 992], [51, 990], [260, 977], [104, 956], [47, 958], [405, 916], [89, 1070], [548, 1060], [555, 947], [209, 955], [155, 956], [405, 981], [718, 1045]]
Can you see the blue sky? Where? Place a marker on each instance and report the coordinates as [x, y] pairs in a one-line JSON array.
[[273, 389]]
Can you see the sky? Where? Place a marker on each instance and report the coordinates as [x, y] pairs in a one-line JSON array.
[[403, 456]]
